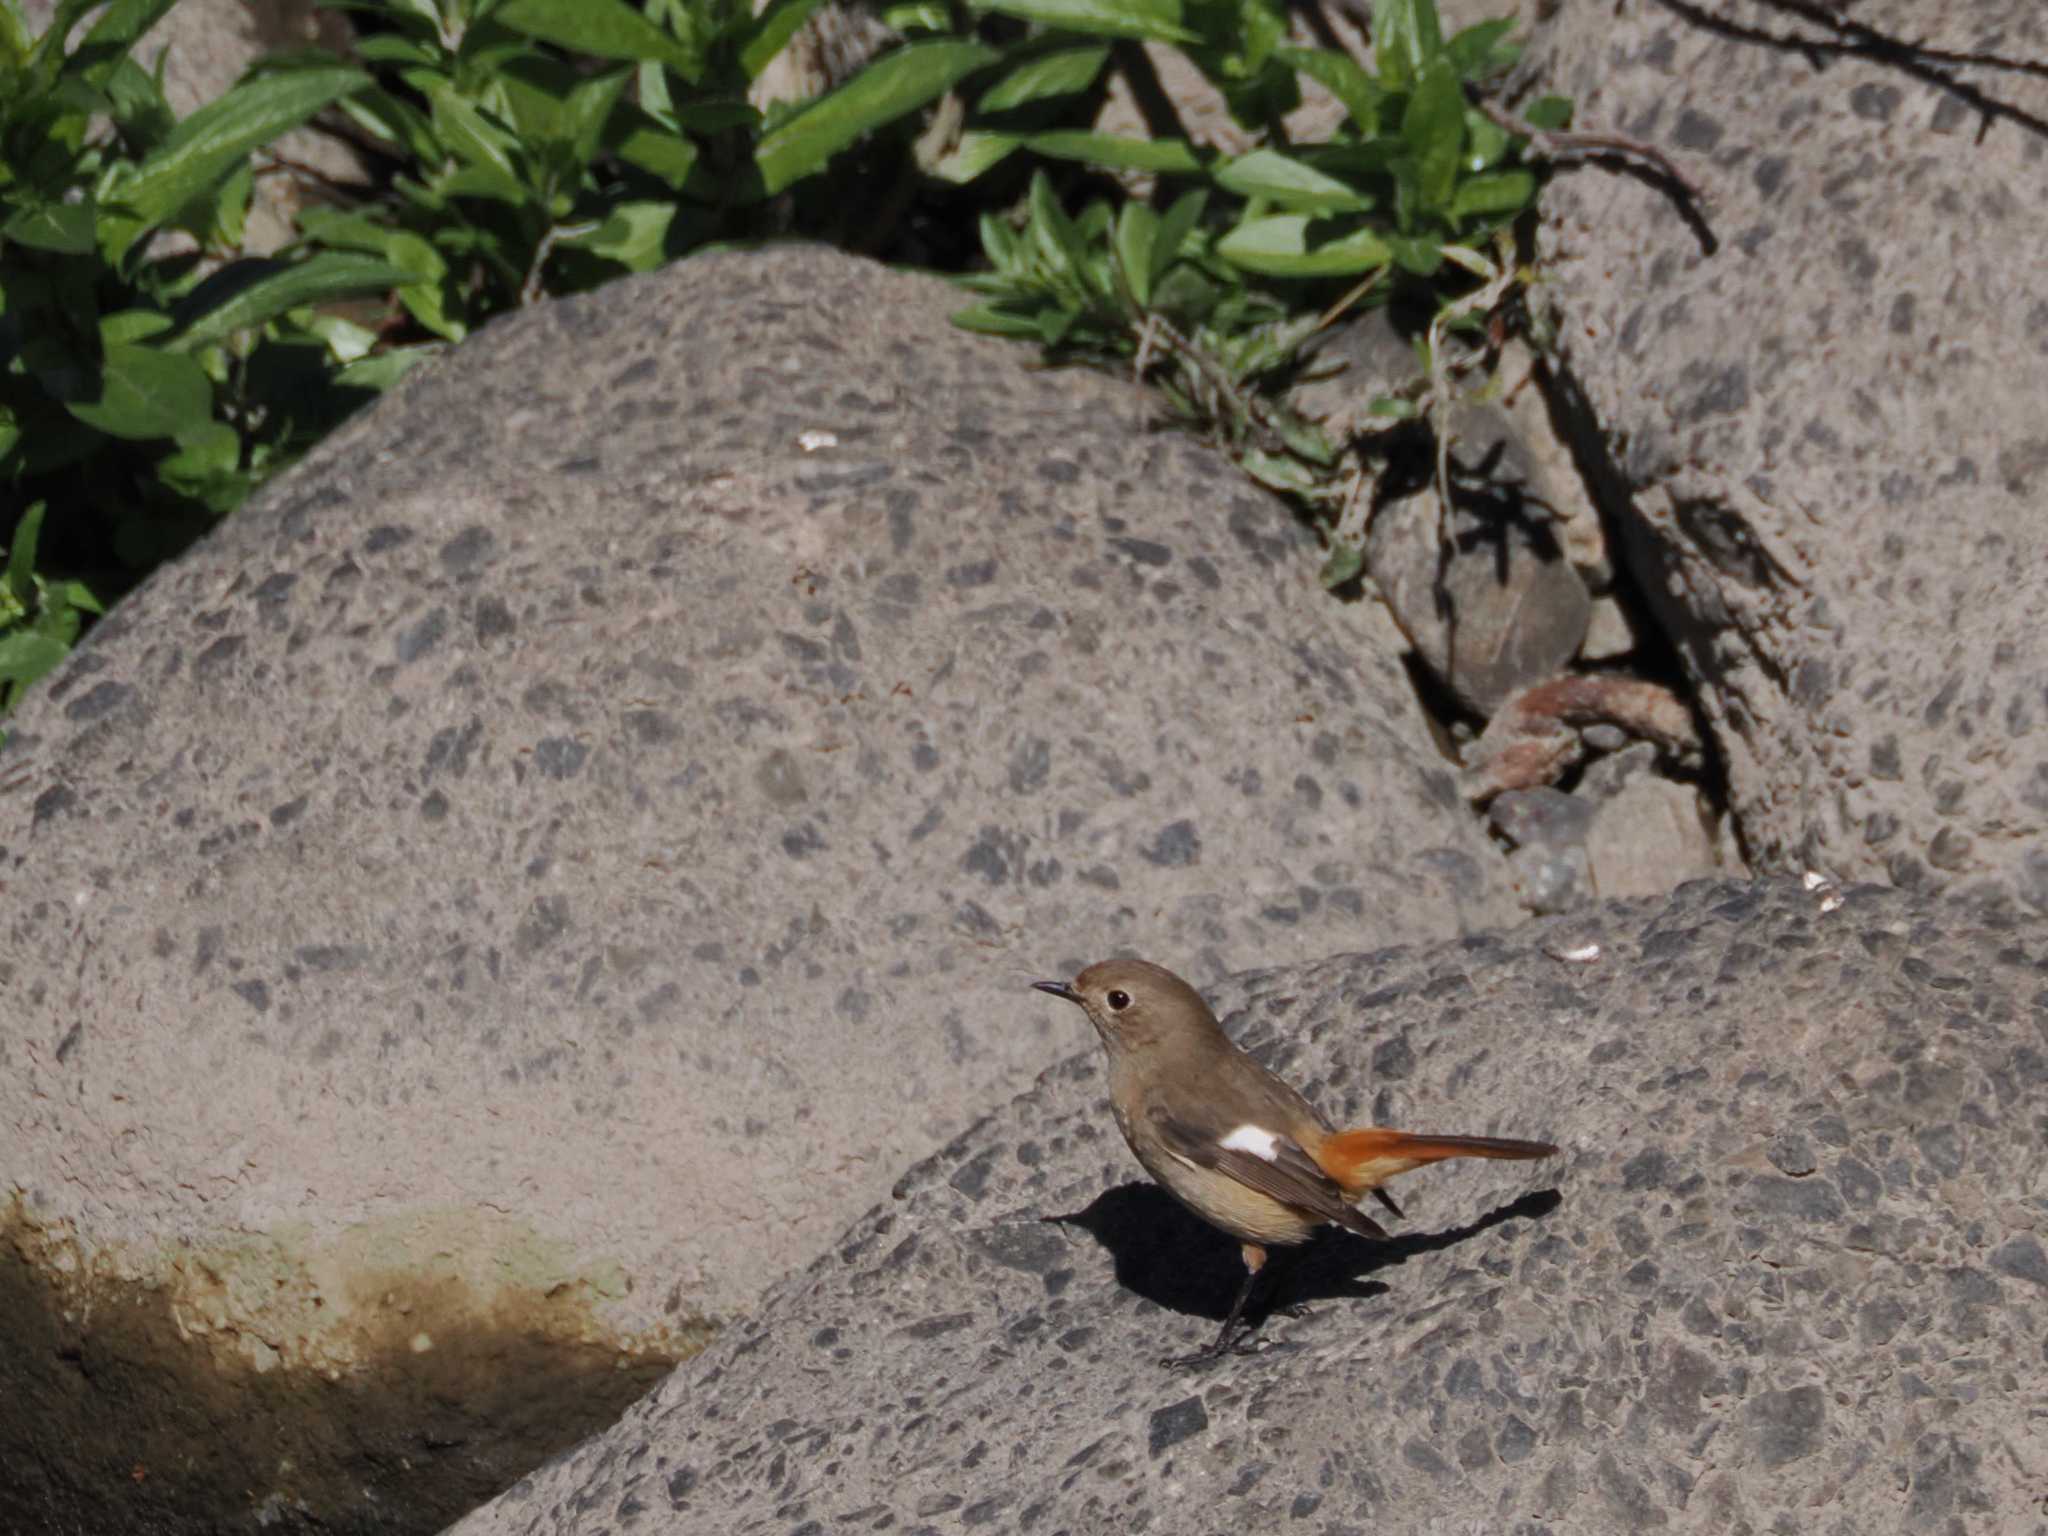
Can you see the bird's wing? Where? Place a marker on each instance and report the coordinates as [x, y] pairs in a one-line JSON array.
[[1270, 1162]]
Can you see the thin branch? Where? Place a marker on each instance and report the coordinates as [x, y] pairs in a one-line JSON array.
[[1561, 145], [276, 164]]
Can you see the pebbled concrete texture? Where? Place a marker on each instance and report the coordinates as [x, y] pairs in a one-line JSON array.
[[1828, 432], [1788, 1274], [591, 821]]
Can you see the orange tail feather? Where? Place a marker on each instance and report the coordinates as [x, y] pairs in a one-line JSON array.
[[1366, 1158]]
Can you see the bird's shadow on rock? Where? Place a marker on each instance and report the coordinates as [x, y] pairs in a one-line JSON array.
[[1169, 1256]]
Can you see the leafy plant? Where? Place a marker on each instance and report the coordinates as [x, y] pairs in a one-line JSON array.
[[1214, 298], [143, 393], [519, 169], [39, 619], [537, 147], [140, 395]]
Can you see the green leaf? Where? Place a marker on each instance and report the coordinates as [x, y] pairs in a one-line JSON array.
[[917, 16], [609, 29], [976, 152], [1433, 130], [1406, 36], [1137, 228], [132, 325], [1344, 563], [147, 393], [1482, 50], [1157, 21], [1547, 112], [1278, 471], [1496, 192], [716, 116], [1416, 253], [346, 341], [531, 95], [1058, 242], [65, 228], [773, 29], [423, 297], [1485, 143], [26, 657], [346, 231], [589, 108], [213, 140], [395, 121], [1341, 76], [891, 87], [1168, 157], [633, 234], [994, 320], [206, 459], [653, 148], [107, 45], [1174, 229], [21, 558], [48, 53], [1280, 246], [1288, 183], [1064, 73], [393, 51], [379, 372], [999, 242], [489, 152], [323, 277]]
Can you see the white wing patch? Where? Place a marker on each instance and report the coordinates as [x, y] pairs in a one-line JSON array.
[[1252, 1139]]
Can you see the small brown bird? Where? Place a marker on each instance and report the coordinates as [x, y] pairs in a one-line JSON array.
[[1227, 1138]]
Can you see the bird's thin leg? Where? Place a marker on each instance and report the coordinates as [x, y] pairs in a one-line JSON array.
[[1254, 1262]]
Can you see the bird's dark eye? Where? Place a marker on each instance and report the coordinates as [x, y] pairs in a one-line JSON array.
[[1118, 1000]]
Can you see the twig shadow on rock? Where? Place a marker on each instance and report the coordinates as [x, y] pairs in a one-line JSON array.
[[1171, 1257]]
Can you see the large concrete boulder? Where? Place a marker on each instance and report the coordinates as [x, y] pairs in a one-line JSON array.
[[547, 865], [1825, 438], [1788, 1275]]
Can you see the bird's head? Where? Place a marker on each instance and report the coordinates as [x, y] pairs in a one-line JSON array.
[[1134, 1003]]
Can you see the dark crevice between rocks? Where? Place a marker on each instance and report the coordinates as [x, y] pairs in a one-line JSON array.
[[1676, 648], [161, 1408], [1545, 672]]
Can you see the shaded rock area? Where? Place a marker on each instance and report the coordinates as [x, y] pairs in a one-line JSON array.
[[144, 1409], [1822, 441], [1789, 1272], [1484, 591], [1510, 603], [554, 858]]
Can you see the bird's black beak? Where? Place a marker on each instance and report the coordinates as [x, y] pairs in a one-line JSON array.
[[1058, 989]]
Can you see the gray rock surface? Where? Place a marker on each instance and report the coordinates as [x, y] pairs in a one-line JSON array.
[[1648, 831], [1829, 431], [1788, 1275], [555, 857]]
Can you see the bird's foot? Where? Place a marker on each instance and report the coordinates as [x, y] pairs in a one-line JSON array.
[[1246, 1343]]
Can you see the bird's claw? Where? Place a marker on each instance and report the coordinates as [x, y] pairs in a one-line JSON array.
[[1243, 1344]]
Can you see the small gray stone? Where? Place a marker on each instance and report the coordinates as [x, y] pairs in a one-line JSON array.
[[1649, 836], [1791, 1153], [1544, 816]]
